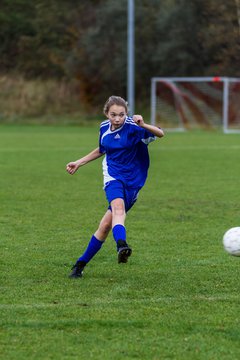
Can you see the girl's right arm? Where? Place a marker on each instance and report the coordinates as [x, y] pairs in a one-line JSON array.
[[73, 166]]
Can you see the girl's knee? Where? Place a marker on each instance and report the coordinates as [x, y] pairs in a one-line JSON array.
[[118, 207]]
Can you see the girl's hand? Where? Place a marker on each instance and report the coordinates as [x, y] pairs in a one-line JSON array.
[[72, 167], [138, 119]]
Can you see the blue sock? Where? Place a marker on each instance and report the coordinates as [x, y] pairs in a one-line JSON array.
[[119, 232], [93, 247]]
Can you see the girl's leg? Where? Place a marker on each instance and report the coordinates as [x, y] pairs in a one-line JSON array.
[[118, 212], [94, 244], [104, 226], [118, 229], [98, 238]]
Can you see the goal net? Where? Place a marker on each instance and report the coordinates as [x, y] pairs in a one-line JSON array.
[[188, 103]]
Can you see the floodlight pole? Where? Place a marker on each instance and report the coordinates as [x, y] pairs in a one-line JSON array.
[[130, 64]]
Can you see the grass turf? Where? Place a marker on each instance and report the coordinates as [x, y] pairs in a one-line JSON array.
[[177, 298]]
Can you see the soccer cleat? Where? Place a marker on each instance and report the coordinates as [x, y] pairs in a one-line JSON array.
[[77, 269], [124, 251]]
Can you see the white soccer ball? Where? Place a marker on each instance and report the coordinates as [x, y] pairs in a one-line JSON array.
[[231, 241]]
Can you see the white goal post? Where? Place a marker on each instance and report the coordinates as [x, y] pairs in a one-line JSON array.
[[180, 103]]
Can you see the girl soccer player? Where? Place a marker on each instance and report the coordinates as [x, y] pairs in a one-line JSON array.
[[124, 142]]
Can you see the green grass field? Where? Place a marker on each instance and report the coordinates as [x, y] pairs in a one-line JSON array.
[[177, 298]]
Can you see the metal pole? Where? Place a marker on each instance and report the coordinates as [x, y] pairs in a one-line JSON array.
[[225, 104], [130, 75], [153, 102]]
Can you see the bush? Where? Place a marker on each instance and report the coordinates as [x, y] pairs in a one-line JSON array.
[[37, 98]]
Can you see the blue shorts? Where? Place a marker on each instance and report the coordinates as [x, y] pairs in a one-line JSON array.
[[116, 189]]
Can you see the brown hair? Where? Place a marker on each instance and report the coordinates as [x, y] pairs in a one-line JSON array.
[[114, 100]]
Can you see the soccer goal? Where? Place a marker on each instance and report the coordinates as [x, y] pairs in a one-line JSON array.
[[198, 102]]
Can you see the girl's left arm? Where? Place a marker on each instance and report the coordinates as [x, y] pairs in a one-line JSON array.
[[138, 119]]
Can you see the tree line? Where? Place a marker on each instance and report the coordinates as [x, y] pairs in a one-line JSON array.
[[86, 41]]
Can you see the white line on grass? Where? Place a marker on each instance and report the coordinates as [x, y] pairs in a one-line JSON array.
[[169, 299]]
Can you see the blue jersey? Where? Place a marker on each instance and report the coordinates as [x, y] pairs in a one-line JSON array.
[[126, 153]]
